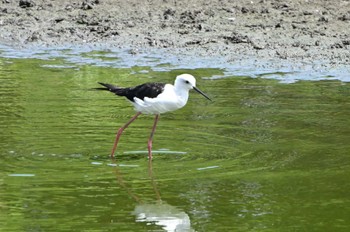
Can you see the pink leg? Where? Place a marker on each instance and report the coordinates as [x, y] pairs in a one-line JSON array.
[[151, 137], [120, 131]]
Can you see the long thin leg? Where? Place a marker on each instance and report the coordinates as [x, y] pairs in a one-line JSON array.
[[120, 131], [151, 137]]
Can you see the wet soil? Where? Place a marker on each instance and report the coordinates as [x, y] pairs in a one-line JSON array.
[[303, 31]]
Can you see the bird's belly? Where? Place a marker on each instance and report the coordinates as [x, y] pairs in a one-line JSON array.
[[152, 106]]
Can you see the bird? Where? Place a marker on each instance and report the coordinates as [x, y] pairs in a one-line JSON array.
[[153, 98]]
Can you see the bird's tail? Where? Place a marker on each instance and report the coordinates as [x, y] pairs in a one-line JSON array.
[[111, 88]]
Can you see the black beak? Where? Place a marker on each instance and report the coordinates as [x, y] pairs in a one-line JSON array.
[[204, 95]]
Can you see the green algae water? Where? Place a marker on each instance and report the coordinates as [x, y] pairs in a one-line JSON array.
[[262, 156]]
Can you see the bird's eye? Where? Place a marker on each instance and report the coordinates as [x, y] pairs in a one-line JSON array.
[[187, 82]]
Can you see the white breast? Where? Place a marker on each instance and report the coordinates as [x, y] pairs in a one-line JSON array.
[[168, 100]]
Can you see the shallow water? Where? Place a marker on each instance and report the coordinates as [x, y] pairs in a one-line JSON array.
[[263, 156]]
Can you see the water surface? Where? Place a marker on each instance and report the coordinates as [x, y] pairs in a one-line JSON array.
[[263, 156]]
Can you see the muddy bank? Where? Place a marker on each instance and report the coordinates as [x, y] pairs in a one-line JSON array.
[[267, 31]]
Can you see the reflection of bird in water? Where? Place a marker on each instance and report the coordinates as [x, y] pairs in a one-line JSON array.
[[169, 217], [154, 98]]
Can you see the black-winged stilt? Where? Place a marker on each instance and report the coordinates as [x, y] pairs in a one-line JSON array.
[[154, 98]]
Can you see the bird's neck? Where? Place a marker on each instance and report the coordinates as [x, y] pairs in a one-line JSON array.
[[182, 94]]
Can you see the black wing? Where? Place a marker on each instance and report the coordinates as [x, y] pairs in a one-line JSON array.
[[150, 90]]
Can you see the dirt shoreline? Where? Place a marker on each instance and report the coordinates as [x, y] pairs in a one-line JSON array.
[[273, 31]]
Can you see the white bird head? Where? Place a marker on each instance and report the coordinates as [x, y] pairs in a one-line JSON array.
[[185, 81], [188, 82]]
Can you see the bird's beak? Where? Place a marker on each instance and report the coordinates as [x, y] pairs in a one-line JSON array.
[[199, 91]]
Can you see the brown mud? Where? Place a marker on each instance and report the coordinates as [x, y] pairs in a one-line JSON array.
[[269, 32]]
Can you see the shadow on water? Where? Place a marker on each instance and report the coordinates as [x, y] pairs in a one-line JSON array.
[[263, 156]]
